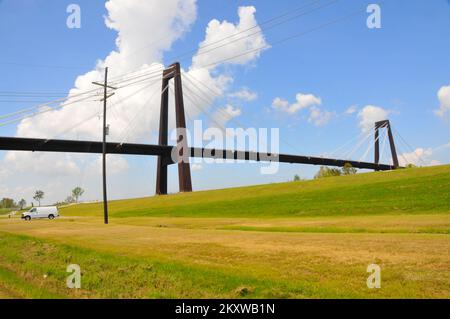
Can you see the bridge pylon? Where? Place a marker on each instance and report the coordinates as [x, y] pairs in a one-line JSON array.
[[387, 125], [184, 170]]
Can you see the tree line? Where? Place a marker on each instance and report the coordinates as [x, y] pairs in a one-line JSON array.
[[325, 171], [9, 203]]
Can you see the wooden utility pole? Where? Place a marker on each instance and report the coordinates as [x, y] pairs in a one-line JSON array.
[[105, 132]]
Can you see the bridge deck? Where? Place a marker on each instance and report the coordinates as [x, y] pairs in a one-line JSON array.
[[73, 146]]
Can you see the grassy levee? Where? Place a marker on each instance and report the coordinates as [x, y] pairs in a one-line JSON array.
[[307, 239], [409, 191], [4, 211], [35, 268]]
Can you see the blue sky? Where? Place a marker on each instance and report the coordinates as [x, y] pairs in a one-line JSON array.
[[399, 68]]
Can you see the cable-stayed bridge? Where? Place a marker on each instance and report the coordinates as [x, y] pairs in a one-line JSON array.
[[197, 93], [165, 152]]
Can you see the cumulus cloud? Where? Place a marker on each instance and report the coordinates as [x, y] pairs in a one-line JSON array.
[[131, 115], [317, 116], [351, 109], [444, 100], [222, 41], [244, 94], [131, 19], [42, 163], [224, 34], [302, 101], [418, 157], [371, 114], [115, 164], [196, 167], [168, 21], [225, 114]]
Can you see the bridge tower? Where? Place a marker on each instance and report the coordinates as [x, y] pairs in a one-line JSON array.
[[184, 170], [385, 124]]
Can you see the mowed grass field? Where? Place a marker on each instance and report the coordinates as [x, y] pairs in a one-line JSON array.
[[307, 239]]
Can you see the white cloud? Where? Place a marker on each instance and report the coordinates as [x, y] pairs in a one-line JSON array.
[[302, 101], [244, 94], [168, 21], [444, 100], [4, 173], [371, 114], [196, 167], [351, 109], [280, 104], [132, 20], [115, 164], [217, 31], [50, 164], [319, 117], [418, 157], [225, 114]]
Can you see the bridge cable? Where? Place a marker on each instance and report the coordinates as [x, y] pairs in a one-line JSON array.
[[51, 108], [383, 147], [199, 52], [335, 152], [239, 124], [293, 36], [409, 147], [241, 32], [109, 106], [371, 145], [132, 124], [350, 153]]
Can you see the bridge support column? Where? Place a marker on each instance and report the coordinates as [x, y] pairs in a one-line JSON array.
[[385, 124], [184, 170], [163, 162]]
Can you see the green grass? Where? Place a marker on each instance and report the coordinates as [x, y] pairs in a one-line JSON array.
[[33, 268], [4, 211], [411, 191], [43, 263], [307, 239]]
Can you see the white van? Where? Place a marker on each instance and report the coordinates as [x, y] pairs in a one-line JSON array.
[[49, 212]]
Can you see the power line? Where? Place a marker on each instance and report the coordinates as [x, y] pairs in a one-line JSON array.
[[290, 12], [140, 72], [30, 94], [125, 133], [62, 100], [294, 36], [44, 111], [45, 66], [151, 44], [200, 52]]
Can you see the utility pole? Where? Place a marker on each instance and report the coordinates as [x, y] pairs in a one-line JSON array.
[[105, 132]]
